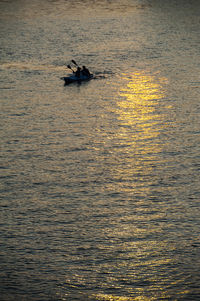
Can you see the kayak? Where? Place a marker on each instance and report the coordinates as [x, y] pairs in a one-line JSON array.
[[74, 79]]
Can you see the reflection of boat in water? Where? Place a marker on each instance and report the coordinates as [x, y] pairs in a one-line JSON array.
[[75, 79]]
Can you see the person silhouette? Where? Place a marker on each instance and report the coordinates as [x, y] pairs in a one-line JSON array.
[[85, 71], [78, 72]]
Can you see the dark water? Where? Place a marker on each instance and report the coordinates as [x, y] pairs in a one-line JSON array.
[[100, 181]]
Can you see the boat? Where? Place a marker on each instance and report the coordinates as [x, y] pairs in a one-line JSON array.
[[74, 79]]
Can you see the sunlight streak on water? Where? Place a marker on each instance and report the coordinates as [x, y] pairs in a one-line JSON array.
[[143, 95], [141, 114]]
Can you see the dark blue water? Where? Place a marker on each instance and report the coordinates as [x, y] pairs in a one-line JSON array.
[[100, 180]]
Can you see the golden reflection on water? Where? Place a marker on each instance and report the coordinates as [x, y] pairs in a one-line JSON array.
[[106, 297], [142, 95], [140, 110]]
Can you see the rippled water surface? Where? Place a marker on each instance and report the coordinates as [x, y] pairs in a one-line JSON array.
[[100, 180]]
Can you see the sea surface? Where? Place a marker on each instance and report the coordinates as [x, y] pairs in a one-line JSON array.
[[100, 181]]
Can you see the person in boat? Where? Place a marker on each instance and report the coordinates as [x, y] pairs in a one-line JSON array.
[[78, 72], [85, 71]]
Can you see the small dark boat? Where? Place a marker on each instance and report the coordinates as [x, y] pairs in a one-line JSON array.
[[74, 79]]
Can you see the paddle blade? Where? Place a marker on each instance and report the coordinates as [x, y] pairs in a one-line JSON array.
[[73, 61]]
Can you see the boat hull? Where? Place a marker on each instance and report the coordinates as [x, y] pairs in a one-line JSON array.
[[74, 79]]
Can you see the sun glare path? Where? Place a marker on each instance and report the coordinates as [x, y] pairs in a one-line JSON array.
[[136, 140], [142, 95]]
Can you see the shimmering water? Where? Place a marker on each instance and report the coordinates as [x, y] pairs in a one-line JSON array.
[[100, 181]]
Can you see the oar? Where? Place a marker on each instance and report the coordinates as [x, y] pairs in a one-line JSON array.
[[74, 62], [68, 66]]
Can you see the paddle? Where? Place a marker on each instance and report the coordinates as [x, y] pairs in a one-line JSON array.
[[74, 62], [68, 66]]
